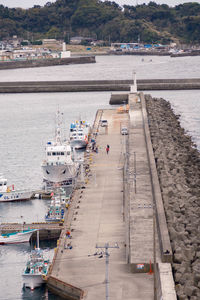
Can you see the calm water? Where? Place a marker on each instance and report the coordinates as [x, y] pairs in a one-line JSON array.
[[27, 123], [113, 67]]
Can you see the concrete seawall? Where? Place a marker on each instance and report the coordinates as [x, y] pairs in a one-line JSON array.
[[98, 85], [46, 62], [165, 246]]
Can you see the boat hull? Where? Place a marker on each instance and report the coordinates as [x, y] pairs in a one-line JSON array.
[[32, 281], [78, 144], [15, 196], [59, 173], [20, 237]]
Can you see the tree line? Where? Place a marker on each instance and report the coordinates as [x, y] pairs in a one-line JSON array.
[[148, 23]]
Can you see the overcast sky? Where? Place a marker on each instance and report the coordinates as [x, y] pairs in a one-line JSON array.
[[31, 3]]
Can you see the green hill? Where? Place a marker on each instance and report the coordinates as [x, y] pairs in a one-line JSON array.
[[104, 20]]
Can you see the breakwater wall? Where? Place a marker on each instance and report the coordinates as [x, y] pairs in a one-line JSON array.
[[64, 290], [98, 85], [143, 53], [178, 167], [46, 62], [182, 54]]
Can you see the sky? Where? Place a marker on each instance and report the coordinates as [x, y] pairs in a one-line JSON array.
[[31, 3]]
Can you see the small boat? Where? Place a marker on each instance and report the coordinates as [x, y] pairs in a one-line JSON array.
[[16, 237], [8, 193], [79, 132], [56, 210], [36, 268]]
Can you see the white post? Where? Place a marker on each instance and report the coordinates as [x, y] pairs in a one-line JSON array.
[[64, 47], [134, 86]]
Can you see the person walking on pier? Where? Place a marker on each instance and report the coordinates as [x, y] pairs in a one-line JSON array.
[[107, 149]]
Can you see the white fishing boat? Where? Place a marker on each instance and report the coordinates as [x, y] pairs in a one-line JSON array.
[[16, 237], [58, 166], [8, 193], [79, 134], [55, 212], [36, 268]]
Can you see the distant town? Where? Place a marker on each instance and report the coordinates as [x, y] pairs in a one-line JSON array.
[[16, 48]]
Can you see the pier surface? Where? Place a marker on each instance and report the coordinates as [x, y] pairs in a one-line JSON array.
[[99, 219]]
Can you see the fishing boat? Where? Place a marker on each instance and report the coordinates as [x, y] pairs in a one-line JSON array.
[[36, 268], [79, 134], [16, 237], [8, 193], [58, 166], [56, 210]]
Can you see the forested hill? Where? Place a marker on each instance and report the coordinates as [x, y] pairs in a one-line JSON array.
[[104, 20]]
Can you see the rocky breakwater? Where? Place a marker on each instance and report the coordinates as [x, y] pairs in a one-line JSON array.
[[4, 65], [178, 166]]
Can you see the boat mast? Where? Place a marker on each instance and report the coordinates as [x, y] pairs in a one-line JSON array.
[[38, 241], [58, 129]]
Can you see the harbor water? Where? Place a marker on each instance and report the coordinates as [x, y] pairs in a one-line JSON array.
[[28, 122]]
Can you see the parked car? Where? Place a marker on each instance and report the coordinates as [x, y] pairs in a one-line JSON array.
[[124, 130], [104, 123]]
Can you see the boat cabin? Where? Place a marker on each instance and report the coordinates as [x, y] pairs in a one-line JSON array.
[[3, 184], [56, 155]]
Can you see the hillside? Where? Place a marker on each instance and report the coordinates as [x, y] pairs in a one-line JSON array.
[[104, 20]]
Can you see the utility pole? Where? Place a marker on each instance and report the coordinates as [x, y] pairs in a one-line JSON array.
[[154, 250], [135, 173], [106, 247]]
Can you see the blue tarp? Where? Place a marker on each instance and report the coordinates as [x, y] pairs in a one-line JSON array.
[[148, 46]]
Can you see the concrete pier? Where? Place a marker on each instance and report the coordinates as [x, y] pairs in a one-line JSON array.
[[99, 220], [48, 231], [99, 85], [116, 210], [5, 65]]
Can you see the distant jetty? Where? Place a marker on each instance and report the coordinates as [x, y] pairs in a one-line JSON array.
[[4, 65], [99, 85], [188, 53]]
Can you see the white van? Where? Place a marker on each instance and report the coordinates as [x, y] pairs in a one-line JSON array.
[[104, 123], [124, 130]]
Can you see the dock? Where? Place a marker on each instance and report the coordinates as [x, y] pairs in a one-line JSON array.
[[119, 245], [48, 231]]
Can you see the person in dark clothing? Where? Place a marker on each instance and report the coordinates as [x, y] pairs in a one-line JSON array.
[[107, 149]]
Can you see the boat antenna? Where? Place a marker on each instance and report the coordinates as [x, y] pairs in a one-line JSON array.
[[58, 129], [38, 240]]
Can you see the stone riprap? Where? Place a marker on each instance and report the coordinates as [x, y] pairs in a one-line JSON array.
[[178, 166]]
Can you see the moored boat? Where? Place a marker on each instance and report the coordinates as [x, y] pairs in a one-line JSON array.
[[79, 134], [36, 268], [8, 193], [58, 166], [16, 237], [56, 210]]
